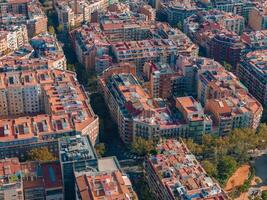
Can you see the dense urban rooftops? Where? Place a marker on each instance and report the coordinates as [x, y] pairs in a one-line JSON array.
[[181, 173], [76, 148], [258, 60], [107, 185], [65, 102]]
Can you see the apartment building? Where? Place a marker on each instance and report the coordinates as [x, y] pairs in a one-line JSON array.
[[108, 181], [226, 47], [148, 11], [163, 81], [129, 41], [72, 13], [251, 72], [65, 14], [258, 17], [228, 101], [193, 112], [20, 60], [3, 44], [170, 44], [136, 113], [75, 154], [12, 38], [40, 106], [175, 12], [255, 40], [30, 180], [18, 7], [119, 7], [11, 186], [175, 173], [238, 7], [47, 48], [230, 21], [43, 52], [26, 12], [42, 180], [139, 52], [216, 41], [234, 23], [190, 68]]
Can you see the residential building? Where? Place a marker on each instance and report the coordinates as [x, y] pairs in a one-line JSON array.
[[136, 113], [40, 106], [226, 47], [193, 113], [228, 101], [30, 180], [72, 13], [20, 60], [75, 154], [251, 72], [216, 42], [24, 12], [148, 11], [190, 69], [258, 17], [108, 181], [175, 173], [42, 180], [11, 186], [176, 12], [134, 41], [221, 94], [12, 38], [229, 21], [163, 81], [255, 40], [47, 47], [239, 7]]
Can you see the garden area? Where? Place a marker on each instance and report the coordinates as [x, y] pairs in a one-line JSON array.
[[228, 158]]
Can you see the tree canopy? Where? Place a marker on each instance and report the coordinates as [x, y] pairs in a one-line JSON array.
[[51, 30], [41, 154], [220, 156], [264, 195], [142, 146], [100, 149]]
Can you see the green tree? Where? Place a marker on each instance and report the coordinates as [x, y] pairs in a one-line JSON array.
[[142, 146], [227, 66], [262, 136], [264, 195], [209, 167], [60, 28], [100, 149], [194, 147], [71, 67], [41, 154], [51, 30], [226, 167]]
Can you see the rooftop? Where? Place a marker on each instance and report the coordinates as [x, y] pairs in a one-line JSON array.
[[137, 104], [68, 108], [76, 148], [258, 60], [46, 175], [109, 185], [182, 174], [10, 174]]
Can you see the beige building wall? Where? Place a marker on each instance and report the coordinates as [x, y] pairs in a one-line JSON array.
[[255, 19]]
